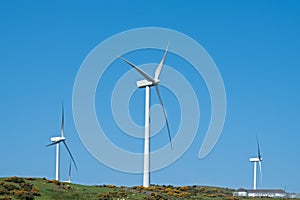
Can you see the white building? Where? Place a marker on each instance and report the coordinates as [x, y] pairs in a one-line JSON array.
[[293, 195], [260, 193]]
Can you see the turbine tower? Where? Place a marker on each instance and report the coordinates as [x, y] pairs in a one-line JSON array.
[[256, 160], [147, 83], [56, 141]]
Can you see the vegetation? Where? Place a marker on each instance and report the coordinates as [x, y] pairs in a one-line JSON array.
[[17, 188], [14, 188]]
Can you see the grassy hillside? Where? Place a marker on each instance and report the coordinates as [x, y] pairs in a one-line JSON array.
[[39, 189]]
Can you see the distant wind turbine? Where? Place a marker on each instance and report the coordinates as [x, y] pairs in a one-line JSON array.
[[256, 160], [56, 141], [69, 172], [147, 83]]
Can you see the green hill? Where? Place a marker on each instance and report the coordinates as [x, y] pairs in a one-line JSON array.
[[39, 189]]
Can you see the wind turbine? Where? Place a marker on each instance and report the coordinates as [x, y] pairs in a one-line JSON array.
[[69, 174], [256, 160], [56, 141], [147, 83]]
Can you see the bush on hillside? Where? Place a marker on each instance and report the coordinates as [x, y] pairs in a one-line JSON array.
[[26, 186], [5, 198], [14, 179], [30, 179], [10, 187], [54, 181], [22, 194], [3, 191]]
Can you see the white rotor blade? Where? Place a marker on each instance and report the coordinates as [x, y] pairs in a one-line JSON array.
[[70, 169], [163, 108], [53, 143], [144, 74], [258, 149], [158, 69], [62, 121], [260, 171], [70, 154]]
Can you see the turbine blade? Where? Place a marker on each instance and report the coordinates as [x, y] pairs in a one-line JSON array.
[[70, 170], [62, 120], [159, 67], [163, 108], [258, 149], [144, 74], [260, 171], [70, 154], [53, 143]]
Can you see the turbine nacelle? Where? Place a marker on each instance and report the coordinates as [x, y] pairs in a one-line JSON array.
[[255, 159], [156, 81], [57, 139], [144, 83]]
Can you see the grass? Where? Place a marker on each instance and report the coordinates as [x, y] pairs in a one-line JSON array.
[[43, 189]]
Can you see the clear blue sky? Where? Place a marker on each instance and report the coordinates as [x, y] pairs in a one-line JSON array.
[[255, 45]]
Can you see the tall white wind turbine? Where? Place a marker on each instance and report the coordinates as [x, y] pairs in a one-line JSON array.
[[147, 83], [56, 141], [256, 160]]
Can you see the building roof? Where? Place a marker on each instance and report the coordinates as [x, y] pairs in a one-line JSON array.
[[261, 190], [241, 190], [266, 191]]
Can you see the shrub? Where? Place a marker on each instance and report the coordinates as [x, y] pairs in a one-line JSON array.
[[30, 179], [21, 194], [110, 186], [10, 187], [27, 196], [5, 198], [112, 195], [18, 193], [3, 191], [35, 192], [138, 187], [183, 194], [212, 195], [105, 196], [203, 189], [26, 186], [151, 188], [15, 179], [53, 181], [155, 197], [184, 188], [231, 198]]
